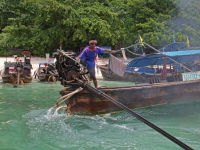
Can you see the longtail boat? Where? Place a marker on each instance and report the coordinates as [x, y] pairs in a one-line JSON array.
[[85, 102], [181, 86], [18, 71], [44, 72], [136, 74]]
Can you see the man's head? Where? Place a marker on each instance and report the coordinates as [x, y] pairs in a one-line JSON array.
[[92, 43]]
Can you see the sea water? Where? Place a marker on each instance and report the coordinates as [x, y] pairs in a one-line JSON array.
[[26, 124]]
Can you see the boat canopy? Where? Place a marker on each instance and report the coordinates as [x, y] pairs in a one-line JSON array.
[[9, 64], [186, 56], [46, 63], [175, 46]]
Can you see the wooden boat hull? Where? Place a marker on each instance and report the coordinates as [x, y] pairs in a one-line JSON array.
[[13, 79], [43, 73], [132, 97], [18, 69], [45, 78], [128, 76]]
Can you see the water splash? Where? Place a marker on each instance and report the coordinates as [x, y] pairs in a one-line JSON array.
[[50, 111]]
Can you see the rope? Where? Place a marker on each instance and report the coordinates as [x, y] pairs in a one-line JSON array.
[[127, 47], [63, 99], [61, 107], [168, 57], [59, 101], [52, 77], [133, 53]]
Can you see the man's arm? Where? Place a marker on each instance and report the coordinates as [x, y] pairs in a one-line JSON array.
[[81, 56], [109, 51]]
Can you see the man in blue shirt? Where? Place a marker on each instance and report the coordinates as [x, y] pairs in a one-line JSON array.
[[88, 56]]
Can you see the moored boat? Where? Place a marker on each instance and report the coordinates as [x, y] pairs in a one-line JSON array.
[[85, 102], [18, 71], [137, 74], [180, 86], [45, 72]]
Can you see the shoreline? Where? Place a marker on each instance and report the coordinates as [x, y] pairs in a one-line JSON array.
[[35, 64]]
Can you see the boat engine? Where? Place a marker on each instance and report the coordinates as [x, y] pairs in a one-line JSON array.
[[68, 67]]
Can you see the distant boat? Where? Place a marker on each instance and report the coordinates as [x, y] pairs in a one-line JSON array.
[[142, 73], [18, 71], [46, 72]]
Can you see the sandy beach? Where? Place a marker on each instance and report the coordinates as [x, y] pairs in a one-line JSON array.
[[35, 63]]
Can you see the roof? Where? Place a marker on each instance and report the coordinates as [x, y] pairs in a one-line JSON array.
[[186, 56], [175, 46]]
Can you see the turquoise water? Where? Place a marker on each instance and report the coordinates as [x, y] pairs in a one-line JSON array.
[[25, 123]]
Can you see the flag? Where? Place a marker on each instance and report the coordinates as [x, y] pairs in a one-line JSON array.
[[188, 42], [140, 40]]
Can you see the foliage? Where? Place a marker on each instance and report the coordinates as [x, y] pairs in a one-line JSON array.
[[151, 19], [187, 22], [46, 25]]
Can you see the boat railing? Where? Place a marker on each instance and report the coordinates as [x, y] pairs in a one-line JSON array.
[[167, 57], [156, 50]]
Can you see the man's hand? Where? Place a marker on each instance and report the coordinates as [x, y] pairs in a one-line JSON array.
[[110, 51], [113, 51]]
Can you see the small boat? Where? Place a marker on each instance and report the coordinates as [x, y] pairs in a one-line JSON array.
[[18, 71], [46, 72], [180, 86]]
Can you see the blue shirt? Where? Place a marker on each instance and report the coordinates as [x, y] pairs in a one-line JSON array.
[[90, 56]]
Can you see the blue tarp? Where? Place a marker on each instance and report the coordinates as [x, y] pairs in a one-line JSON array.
[[186, 56]]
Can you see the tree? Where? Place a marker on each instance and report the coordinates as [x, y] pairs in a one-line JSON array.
[[150, 20], [187, 22], [44, 25], [71, 22]]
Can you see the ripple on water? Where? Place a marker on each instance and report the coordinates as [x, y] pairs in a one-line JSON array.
[[32, 126]]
